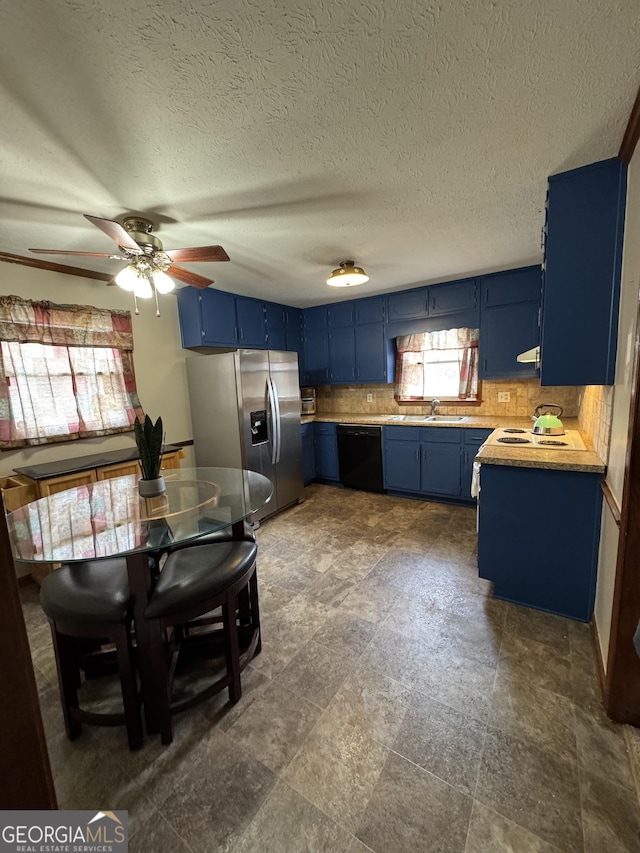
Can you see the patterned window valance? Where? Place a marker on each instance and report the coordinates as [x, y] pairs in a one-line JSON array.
[[26, 321]]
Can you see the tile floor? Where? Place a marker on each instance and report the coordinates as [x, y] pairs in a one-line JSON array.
[[395, 707]]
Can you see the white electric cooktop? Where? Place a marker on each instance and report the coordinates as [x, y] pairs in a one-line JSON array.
[[571, 440]]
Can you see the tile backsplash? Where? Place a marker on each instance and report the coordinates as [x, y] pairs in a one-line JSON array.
[[525, 395], [595, 415]]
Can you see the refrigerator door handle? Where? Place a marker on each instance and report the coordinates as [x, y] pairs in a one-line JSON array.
[[272, 415], [277, 423]]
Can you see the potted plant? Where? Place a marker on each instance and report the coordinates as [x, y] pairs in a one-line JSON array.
[[149, 441]]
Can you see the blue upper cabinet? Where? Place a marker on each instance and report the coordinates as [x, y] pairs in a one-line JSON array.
[[369, 310], [292, 318], [340, 314], [218, 318], [409, 304], [275, 319], [452, 298], [190, 316], [316, 356], [509, 322], [252, 328], [316, 318], [581, 289], [342, 354], [371, 353]]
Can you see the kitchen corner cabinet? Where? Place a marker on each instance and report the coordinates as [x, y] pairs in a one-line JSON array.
[[509, 322], [325, 444], [581, 283], [538, 537]]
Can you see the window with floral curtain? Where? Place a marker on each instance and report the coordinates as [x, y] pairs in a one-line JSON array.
[[66, 372], [441, 364]]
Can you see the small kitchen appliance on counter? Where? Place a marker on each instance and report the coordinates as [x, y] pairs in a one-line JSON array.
[[307, 401], [545, 422]]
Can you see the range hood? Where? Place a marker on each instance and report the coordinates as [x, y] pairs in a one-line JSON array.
[[530, 356]]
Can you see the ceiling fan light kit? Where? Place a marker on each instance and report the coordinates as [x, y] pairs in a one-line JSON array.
[[347, 275], [149, 271]]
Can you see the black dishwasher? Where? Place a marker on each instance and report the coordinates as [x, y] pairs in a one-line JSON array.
[[360, 457]]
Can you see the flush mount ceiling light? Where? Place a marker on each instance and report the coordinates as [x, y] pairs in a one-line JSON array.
[[348, 275]]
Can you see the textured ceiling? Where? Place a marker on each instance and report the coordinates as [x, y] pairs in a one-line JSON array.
[[413, 136]]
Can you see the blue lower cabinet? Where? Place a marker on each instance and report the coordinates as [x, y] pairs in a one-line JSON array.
[[402, 465], [308, 453], [326, 451], [538, 537], [440, 469], [434, 461], [472, 439]]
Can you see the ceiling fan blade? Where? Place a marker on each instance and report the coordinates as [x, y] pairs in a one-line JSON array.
[[86, 254], [200, 253], [48, 265], [189, 277], [116, 232]]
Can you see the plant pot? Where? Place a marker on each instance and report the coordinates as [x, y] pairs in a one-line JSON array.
[[152, 488]]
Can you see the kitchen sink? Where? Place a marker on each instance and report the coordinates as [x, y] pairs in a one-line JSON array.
[[415, 419], [422, 419], [446, 419]]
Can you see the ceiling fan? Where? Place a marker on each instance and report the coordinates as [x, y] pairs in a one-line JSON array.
[[150, 269]]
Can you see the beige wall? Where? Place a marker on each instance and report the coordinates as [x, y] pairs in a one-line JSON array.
[[158, 358], [525, 395]]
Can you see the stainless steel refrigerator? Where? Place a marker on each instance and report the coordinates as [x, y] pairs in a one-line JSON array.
[[245, 411]]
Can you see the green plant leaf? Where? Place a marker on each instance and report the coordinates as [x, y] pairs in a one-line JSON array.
[[149, 442]]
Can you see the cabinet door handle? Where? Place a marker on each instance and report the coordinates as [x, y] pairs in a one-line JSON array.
[[542, 237], [241, 333], [484, 363], [418, 454]]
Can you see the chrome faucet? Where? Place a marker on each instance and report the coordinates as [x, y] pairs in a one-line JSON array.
[[434, 407]]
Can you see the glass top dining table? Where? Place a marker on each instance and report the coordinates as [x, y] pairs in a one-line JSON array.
[[109, 519]]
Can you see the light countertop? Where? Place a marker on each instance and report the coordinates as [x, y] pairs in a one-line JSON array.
[[587, 461]]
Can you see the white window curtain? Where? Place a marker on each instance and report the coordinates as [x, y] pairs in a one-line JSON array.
[[66, 372], [421, 357]]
